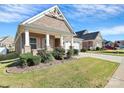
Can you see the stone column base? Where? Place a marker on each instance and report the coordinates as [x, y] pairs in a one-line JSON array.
[[49, 49], [34, 51], [61, 46], [27, 49]]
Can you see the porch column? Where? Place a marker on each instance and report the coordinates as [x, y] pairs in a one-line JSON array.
[[27, 44], [26, 37], [72, 41], [61, 41], [47, 41]]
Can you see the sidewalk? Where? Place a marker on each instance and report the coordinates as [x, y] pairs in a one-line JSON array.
[[117, 80]]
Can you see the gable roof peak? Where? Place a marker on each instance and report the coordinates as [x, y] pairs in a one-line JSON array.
[[39, 15], [87, 36], [82, 32], [56, 13]]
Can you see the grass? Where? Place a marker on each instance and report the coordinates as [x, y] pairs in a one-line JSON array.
[[110, 52], [84, 72]]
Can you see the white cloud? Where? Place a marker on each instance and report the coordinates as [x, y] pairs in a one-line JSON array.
[[107, 9], [15, 13], [83, 13], [95, 11], [117, 30]]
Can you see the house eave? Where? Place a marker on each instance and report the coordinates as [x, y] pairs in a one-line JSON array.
[[47, 29]]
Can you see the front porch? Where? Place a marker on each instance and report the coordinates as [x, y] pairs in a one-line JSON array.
[[32, 42]]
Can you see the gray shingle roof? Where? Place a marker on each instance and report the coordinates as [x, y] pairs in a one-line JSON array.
[[87, 36]]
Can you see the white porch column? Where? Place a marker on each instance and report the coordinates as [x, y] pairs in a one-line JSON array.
[[27, 38], [72, 41], [27, 43], [47, 40], [61, 41]]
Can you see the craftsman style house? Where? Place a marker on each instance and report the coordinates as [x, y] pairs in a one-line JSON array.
[[90, 40], [47, 30]]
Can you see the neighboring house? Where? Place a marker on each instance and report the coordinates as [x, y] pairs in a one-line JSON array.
[[47, 30], [119, 44], [108, 44], [7, 42], [3, 51], [90, 40]]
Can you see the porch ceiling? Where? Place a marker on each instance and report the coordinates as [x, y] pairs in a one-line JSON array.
[[46, 29]]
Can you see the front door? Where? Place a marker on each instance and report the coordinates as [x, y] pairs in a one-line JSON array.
[[57, 42]]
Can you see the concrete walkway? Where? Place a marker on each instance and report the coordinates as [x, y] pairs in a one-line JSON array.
[[117, 80]]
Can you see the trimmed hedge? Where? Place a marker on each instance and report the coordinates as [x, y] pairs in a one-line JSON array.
[[11, 55]]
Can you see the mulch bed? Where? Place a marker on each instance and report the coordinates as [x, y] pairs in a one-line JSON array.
[[18, 69]]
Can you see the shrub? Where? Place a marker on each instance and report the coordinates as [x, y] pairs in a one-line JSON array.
[[89, 49], [70, 53], [75, 51], [97, 48], [50, 57], [42, 54], [28, 59], [23, 63], [11, 55], [102, 48], [45, 56], [26, 56], [36, 60], [83, 50], [59, 53]]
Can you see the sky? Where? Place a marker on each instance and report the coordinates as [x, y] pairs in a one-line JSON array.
[[106, 18]]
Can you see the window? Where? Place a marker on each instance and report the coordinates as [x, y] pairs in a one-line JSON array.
[[33, 43]]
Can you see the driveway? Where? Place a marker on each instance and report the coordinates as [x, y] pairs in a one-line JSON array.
[[117, 80]]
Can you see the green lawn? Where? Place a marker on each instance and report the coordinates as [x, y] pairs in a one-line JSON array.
[[110, 52], [84, 72]]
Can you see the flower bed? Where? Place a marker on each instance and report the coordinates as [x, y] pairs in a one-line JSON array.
[[18, 69]]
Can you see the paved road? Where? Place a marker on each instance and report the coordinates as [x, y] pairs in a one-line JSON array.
[[117, 80]]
